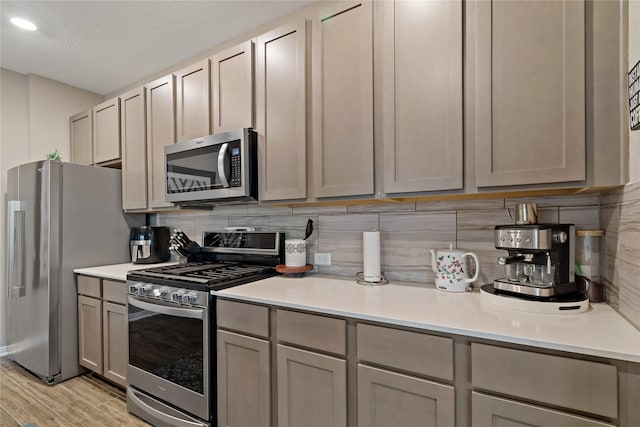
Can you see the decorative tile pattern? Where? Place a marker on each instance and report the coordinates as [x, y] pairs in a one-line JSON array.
[[406, 240], [584, 217]]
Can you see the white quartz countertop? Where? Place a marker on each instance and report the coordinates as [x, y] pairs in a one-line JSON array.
[[598, 332], [116, 271]]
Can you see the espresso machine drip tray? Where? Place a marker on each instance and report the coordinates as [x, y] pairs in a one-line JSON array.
[[534, 291], [571, 303]]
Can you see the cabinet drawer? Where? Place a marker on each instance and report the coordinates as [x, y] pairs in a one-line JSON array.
[[410, 351], [309, 330], [89, 286], [239, 316], [114, 291], [489, 411], [578, 384]]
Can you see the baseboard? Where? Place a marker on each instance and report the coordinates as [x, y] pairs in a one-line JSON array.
[[4, 351]]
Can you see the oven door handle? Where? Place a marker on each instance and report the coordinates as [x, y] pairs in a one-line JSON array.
[[191, 313]]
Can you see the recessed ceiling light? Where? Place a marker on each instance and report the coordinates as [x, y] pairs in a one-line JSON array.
[[24, 24]]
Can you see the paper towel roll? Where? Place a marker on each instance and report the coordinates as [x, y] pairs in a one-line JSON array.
[[371, 255]]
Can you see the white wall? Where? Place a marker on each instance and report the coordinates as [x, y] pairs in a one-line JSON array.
[[634, 56], [34, 118]]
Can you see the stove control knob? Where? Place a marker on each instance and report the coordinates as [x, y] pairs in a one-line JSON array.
[[160, 292], [144, 289], [176, 296], [190, 297], [133, 289]]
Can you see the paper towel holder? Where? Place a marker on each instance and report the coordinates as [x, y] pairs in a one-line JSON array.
[[360, 279]]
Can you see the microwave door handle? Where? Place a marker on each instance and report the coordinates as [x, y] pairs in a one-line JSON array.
[[222, 155], [16, 247]]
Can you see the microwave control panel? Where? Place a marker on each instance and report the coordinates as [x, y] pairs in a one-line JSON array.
[[236, 165]]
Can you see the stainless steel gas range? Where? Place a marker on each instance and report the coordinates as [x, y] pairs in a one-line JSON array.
[[171, 325]]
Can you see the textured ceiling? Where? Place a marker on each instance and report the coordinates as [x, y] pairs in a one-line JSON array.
[[103, 46]]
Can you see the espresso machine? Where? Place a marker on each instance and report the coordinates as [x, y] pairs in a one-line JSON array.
[[539, 265]]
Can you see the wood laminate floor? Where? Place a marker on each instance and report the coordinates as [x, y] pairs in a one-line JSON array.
[[80, 401]]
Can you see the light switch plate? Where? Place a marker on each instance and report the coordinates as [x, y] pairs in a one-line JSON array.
[[322, 259]]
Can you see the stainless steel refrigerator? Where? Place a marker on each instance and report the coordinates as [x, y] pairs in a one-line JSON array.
[[60, 216]]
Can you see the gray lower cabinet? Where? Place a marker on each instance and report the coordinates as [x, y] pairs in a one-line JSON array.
[[312, 389], [388, 398], [244, 380], [314, 370], [490, 411], [90, 332], [102, 327]]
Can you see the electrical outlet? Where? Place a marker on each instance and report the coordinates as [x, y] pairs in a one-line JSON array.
[[321, 259]]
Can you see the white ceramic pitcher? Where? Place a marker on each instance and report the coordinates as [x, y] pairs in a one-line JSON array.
[[452, 269]]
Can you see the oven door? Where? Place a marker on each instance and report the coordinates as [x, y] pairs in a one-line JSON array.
[[169, 353]]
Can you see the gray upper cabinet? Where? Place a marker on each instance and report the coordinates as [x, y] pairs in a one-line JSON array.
[[80, 130], [134, 150], [106, 131], [161, 104], [342, 63], [281, 112], [193, 106], [421, 95], [529, 91], [232, 88]]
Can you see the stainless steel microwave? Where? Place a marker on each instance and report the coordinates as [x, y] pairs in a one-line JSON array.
[[221, 167]]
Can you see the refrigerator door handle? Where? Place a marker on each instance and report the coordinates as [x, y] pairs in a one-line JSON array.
[[15, 248]]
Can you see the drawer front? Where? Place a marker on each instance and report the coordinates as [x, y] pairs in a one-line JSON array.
[[89, 286], [309, 330], [577, 384], [114, 291], [491, 411], [410, 351], [239, 316]]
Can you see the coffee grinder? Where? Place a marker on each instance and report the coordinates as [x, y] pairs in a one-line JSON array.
[[539, 266]]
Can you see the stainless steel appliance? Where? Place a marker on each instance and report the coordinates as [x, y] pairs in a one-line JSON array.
[[540, 261], [149, 245], [60, 216], [221, 167], [539, 269], [171, 325]]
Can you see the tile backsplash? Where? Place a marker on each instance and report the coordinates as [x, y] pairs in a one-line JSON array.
[[409, 230]]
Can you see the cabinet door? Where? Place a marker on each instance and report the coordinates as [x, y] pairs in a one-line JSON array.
[[106, 131], [312, 389], [134, 150], [530, 92], [243, 376], [232, 88], [342, 61], [90, 333], [281, 112], [161, 104], [114, 345], [192, 108], [488, 411], [386, 399], [80, 130], [422, 95]]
